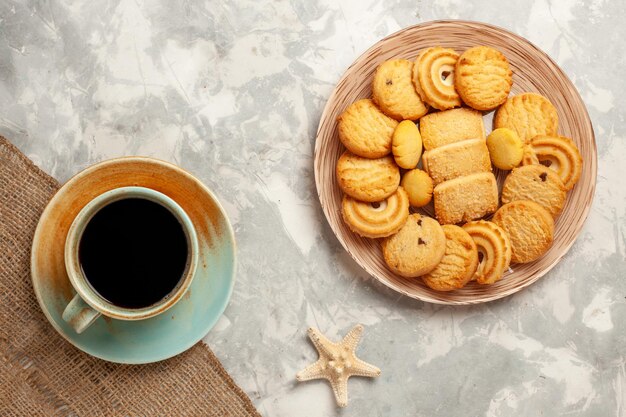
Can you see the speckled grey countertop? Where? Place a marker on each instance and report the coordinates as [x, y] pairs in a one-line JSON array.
[[233, 91]]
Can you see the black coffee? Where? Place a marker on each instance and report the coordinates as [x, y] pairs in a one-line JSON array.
[[133, 252]]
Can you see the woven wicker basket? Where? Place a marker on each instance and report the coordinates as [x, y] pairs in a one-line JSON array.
[[533, 71]]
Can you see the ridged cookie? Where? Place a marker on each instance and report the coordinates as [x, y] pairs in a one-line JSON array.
[[376, 219], [417, 248], [529, 115], [456, 160], [433, 77], [366, 179], [365, 130], [535, 183], [393, 91], [459, 263], [558, 153], [466, 198], [530, 228], [494, 248], [449, 126], [483, 78]]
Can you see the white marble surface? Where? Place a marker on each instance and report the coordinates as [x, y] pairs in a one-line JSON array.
[[233, 91]]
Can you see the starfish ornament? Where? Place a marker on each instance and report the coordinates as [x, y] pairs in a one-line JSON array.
[[337, 362]]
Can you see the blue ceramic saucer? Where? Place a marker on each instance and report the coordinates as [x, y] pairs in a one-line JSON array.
[[181, 326]]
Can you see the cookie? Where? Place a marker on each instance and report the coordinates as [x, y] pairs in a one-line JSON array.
[[483, 78], [417, 248], [365, 130], [494, 250], [393, 91], [558, 153], [535, 183], [530, 228], [406, 144], [366, 179], [466, 198], [505, 148], [456, 160], [459, 262], [419, 187], [433, 77], [529, 115], [449, 126], [379, 219]]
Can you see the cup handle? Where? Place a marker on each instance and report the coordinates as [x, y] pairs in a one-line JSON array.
[[79, 314]]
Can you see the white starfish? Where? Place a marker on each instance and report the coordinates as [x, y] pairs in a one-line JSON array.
[[337, 362]]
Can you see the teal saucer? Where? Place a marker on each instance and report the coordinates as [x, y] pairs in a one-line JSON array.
[[181, 326]]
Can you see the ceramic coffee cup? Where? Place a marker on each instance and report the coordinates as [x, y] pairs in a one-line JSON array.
[[87, 305]]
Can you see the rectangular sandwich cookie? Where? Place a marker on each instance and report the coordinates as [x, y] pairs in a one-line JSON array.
[[449, 126], [457, 159], [466, 198]]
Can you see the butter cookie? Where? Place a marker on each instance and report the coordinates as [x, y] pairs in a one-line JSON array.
[[483, 78], [366, 131], [378, 219], [529, 115], [530, 228], [417, 248], [535, 183], [393, 91], [433, 77], [558, 153], [459, 262], [366, 179], [494, 250]]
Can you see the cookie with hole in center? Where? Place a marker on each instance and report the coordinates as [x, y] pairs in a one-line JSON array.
[[529, 115], [494, 250], [379, 219], [535, 183], [483, 78], [417, 248], [365, 130], [558, 153], [367, 179], [393, 91], [530, 228], [459, 262], [433, 77]]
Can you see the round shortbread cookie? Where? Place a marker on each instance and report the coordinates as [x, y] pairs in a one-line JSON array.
[[366, 179], [529, 115], [483, 78], [376, 219], [365, 130], [459, 263], [494, 250], [558, 153], [417, 248], [419, 187], [393, 91], [535, 183], [530, 228], [433, 77]]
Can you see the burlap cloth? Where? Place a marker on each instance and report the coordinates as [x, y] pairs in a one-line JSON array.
[[41, 374]]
